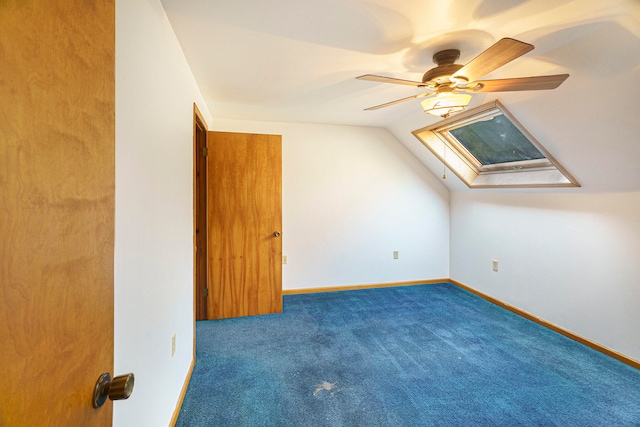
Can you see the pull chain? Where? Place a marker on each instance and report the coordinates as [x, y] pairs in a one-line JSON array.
[[444, 163]]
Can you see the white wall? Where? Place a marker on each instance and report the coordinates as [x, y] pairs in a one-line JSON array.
[[571, 259], [155, 92], [351, 196]]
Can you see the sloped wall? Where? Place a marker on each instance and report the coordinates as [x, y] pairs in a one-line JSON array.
[[351, 196], [155, 92], [571, 259]]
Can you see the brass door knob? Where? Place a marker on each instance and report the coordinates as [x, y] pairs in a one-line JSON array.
[[276, 234], [119, 388]]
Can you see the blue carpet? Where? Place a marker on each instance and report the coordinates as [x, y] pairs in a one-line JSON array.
[[431, 355]]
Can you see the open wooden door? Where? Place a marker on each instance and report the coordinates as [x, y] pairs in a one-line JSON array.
[[245, 222], [57, 183]]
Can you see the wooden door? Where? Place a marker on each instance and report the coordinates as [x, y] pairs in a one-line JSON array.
[[245, 219], [57, 180]]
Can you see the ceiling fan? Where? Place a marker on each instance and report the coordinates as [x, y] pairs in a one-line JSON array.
[[451, 84]]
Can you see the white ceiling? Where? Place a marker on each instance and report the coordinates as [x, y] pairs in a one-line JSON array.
[[296, 61]]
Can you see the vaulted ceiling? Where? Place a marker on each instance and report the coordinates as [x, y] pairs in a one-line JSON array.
[[296, 61]]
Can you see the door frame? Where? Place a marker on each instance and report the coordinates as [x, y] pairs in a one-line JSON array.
[[200, 132], [199, 126]]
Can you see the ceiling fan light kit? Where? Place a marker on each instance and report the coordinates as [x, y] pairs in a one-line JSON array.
[[452, 84], [446, 103]]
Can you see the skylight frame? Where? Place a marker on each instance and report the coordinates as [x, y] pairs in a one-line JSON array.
[[546, 172]]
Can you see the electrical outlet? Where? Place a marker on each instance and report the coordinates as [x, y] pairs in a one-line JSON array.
[[395, 254], [495, 265], [173, 344], [284, 259]]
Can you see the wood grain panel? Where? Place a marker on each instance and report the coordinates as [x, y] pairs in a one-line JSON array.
[[245, 209], [57, 138]]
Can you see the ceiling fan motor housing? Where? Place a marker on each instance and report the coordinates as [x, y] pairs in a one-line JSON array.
[[446, 67]]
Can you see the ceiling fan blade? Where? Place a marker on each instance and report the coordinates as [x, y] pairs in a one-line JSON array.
[[397, 101], [501, 53], [382, 79], [522, 83]]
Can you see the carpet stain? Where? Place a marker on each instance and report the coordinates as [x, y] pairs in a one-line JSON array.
[[331, 388]]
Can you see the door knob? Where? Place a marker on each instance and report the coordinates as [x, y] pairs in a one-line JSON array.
[[277, 234], [119, 388]]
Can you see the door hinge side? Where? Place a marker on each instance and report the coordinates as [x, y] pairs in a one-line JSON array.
[[205, 151], [206, 292]]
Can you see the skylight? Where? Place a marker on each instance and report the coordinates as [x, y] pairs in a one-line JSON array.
[[487, 147]]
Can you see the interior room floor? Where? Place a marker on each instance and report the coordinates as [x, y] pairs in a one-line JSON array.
[[426, 355]]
